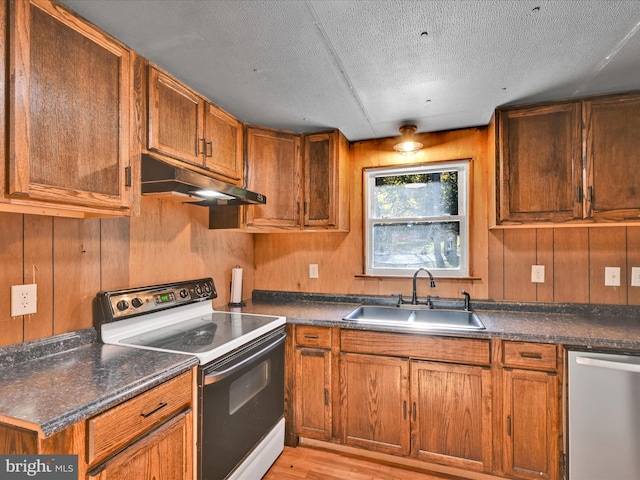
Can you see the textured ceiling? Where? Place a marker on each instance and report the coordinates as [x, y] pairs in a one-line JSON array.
[[366, 67]]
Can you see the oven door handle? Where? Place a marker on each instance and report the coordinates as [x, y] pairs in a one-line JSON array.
[[217, 376]]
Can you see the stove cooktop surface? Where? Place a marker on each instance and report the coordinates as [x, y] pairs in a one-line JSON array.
[[201, 334], [178, 317]]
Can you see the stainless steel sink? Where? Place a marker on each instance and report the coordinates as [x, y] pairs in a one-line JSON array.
[[417, 318]]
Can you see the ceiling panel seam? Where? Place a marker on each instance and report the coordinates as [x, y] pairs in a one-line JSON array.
[[605, 61], [336, 58]]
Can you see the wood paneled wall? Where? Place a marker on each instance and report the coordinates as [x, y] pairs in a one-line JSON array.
[[72, 259], [574, 257], [282, 260]]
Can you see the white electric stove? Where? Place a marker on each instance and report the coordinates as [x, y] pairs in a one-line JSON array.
[[241, 372]]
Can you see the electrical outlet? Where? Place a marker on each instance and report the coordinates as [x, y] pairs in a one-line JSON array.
[[537, 273], [612, 276], [635, 276], [24, 299], [313, 270]]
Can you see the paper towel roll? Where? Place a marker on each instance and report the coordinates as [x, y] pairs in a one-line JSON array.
[[236, 285]]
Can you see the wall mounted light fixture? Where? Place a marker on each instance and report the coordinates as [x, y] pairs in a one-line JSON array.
[[407, 145]]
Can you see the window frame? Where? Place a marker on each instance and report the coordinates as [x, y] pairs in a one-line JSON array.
[[463, 167]]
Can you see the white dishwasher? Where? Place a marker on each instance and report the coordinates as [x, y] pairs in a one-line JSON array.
[[604, 416]]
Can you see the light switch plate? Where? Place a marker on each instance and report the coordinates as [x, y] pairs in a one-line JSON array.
[[635, 276], [612, 276], [537, 273], [313, 270]]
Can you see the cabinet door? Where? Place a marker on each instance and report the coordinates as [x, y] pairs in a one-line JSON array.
[[166, 453], [375, 402], [451, 420], [321, 179], [313, 392], [274, 169], [175, 119], [612, 146], [223, 146], [540, 164], [326, 185], [69, 106], [531, 423]]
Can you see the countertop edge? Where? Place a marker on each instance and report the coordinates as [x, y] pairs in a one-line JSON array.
[[114, 398], [612, 327]]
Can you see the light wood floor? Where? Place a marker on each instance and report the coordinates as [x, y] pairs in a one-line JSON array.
[[316, 464]]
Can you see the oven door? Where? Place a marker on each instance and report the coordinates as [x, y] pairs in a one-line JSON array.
[[241, 400]]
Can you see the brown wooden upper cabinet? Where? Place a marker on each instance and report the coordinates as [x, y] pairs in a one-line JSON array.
[[69, 98], [569, 162], [304, 177], [184, 126]]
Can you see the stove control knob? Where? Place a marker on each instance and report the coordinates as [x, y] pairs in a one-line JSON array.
[[207, 288], [198, 290], [122, 305], [184, 293], [136, 302]]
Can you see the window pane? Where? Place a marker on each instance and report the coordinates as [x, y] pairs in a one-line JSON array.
[[412, 245], [416, 195]]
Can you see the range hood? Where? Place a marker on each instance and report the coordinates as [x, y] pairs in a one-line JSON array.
[[163, 179]]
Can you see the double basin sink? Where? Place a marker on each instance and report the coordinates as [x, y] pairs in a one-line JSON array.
[[415, 317]]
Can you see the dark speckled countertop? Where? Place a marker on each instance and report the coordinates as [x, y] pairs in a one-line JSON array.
[[591, 326], [50, 384]]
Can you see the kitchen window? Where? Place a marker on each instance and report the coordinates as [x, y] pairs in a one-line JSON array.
[[417, 216]]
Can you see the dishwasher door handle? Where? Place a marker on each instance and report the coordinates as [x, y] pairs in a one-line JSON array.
[[597, 362]]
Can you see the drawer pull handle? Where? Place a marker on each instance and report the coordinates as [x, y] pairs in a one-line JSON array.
[[127, 176], [159, 407], [536, 356], [314, 337]]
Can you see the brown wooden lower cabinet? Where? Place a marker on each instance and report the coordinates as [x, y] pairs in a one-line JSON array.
[[149, 436], [375, 402], [531, 424], [161, 454], [313, 390], [451, 418], [490, 407]]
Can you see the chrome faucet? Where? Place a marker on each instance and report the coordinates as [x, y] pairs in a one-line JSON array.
[[467, 300], [414, 296]]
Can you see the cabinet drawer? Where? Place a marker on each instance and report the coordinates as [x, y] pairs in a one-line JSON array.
[[538, 356], [443, 349], [311, 336], [118, 426]]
